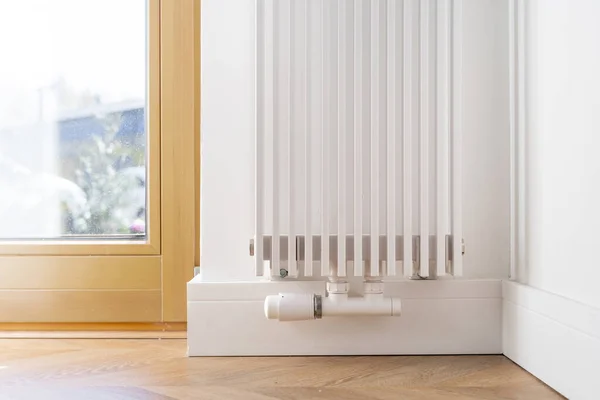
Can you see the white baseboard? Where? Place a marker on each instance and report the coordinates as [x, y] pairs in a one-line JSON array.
[[554, 338], [438, 317]]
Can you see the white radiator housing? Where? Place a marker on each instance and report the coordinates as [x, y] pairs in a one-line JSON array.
[[443, 316], [438, 317], [358, 137]]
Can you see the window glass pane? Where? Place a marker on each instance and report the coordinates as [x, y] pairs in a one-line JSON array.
[[72, 118]]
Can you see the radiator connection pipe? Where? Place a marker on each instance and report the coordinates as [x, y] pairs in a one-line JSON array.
[[307, 306]]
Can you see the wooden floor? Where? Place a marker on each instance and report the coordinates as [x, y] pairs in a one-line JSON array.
[[93, 369]]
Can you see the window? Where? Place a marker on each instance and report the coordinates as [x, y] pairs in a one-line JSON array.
[[73, 132], [88, 206]]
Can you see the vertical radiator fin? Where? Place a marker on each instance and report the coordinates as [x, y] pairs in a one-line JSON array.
[[291, 129], [260, 134], [512, 109], [442, 128], [276, 151], [520, 127], [342, 130], [375, 126], [308, 250], [391, 138], [326, 123], [407, 142], [358, 135], [457, 265], [424, 139]]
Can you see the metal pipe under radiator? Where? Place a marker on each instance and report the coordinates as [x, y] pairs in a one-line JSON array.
[[307, 306]]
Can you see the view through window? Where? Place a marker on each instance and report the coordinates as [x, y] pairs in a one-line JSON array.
[[73, 139]]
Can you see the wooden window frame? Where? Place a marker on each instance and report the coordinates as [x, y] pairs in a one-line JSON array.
[[127, 281]]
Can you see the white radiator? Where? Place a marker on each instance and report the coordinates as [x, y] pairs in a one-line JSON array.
[[358, 138]]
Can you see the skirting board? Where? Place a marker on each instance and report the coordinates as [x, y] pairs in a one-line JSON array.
[[554, 338], [438, 317]]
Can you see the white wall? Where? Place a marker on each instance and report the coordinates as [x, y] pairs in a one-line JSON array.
[[563, 163], [227, 204], [228, 72]]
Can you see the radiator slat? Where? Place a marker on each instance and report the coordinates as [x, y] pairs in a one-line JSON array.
[[259, 137], [457, 264], [308, 265], [424, 138], [358, 136], [276, 151], [443, 27], [375, 127], [291, 128], [325, 166], [407, 142], [342, 131], [521, 134], [391, 138]]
